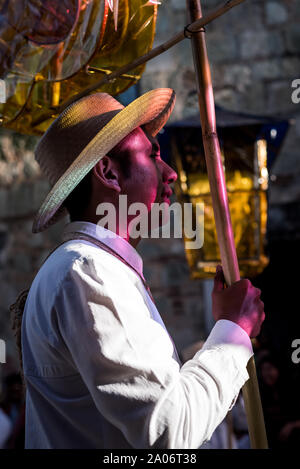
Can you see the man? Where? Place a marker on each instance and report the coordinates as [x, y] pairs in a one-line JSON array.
[[101, 369]]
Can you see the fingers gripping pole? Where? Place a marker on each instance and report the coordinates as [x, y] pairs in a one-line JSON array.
[[218, 190]]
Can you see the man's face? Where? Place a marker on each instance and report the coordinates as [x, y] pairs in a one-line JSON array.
[[150, 177]]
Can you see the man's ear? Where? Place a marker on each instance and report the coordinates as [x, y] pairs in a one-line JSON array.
[[106, 171]]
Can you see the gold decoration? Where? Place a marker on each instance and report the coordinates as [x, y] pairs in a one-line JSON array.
[[43, 77]]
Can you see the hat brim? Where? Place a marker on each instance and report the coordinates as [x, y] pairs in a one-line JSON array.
[[152, 110]]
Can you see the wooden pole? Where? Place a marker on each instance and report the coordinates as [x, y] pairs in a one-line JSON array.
[[218, 190]]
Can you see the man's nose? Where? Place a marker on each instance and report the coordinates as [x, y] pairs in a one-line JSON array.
[[169, 175]]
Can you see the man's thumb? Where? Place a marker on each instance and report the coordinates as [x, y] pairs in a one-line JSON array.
[[219, 279]]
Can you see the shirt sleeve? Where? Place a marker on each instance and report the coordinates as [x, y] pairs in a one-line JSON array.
[[125, 359]]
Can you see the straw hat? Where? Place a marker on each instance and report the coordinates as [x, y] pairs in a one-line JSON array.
[[86, 131]]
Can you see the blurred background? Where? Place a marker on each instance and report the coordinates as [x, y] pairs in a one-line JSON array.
[[254, 52]]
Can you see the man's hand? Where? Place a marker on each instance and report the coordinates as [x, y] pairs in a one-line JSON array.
[[239, 303]]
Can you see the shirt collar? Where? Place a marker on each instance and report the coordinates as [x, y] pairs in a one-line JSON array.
[[117, 244]]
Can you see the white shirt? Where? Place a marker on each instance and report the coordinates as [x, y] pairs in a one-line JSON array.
[[100, 367]]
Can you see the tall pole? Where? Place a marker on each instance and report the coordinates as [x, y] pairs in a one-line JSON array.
[[219, 196]]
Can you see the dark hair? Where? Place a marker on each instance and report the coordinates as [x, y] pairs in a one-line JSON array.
[[80, 197]]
